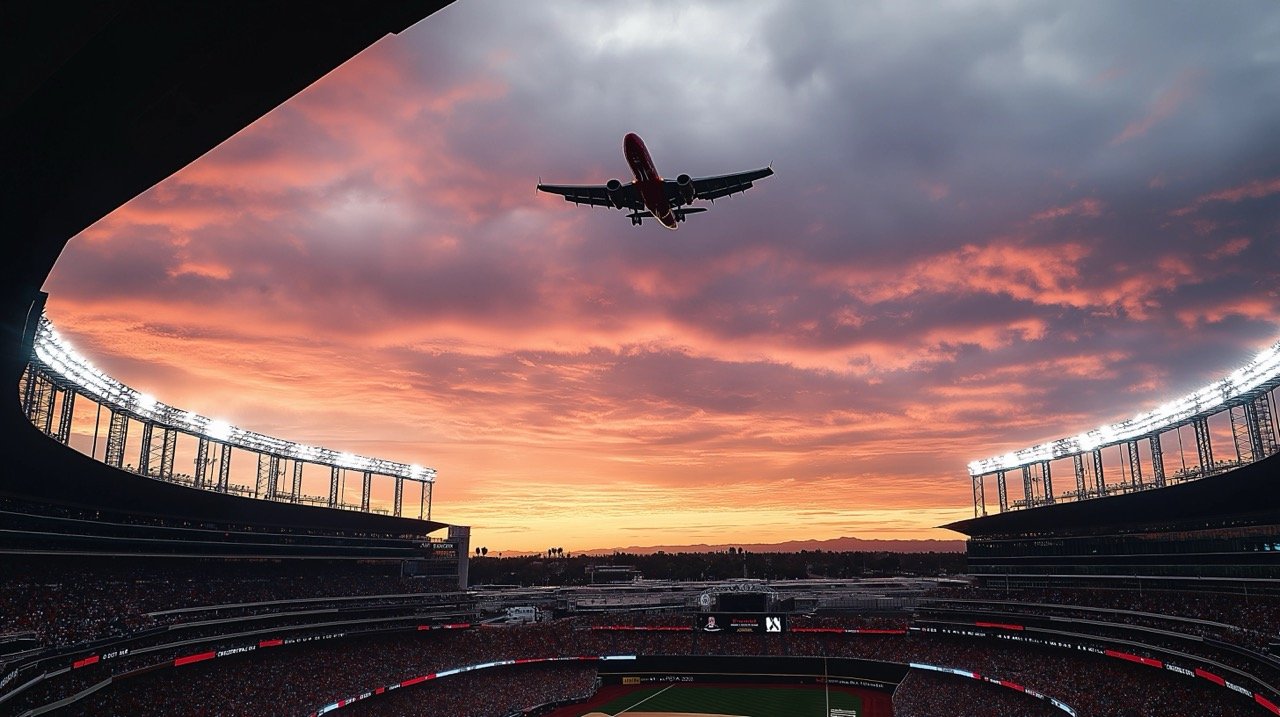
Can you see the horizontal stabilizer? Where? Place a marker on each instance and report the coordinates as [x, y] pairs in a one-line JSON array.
[[649, 215]]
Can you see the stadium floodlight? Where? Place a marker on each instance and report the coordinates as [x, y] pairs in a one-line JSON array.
[[56, 356], [218, 430], [1238, 387], [145, 403]]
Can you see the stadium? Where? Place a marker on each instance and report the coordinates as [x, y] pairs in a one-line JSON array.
[[182, 566]]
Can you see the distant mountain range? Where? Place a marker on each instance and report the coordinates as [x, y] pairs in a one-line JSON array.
[[839, 545]]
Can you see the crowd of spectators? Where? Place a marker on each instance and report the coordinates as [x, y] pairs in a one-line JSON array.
[[497, 692], [299, 679], [1252, 620], [933, 694], [231, 690], [1186, 626], [66, 604]]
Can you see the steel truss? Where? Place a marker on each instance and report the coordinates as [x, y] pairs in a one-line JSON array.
[[1204, 447], [38, 399], [63, 434], [1099, 479], [1135, 464], [202, 461], [1028, 490], [1077, 461], [156, 457], [1046, 476], [268, 476], [117, 434], [1241, 423], [1265, 421], [224, 467], [297, 482], [1157, 461]]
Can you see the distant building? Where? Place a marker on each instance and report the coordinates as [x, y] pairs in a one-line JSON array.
[[612, 574]]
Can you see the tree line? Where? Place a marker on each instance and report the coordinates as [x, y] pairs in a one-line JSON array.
[[558, 568]]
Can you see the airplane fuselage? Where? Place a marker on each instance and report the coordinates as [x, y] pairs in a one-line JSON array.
[[648, 182]]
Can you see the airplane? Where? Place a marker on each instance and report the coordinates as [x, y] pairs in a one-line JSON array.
[[650, 196]]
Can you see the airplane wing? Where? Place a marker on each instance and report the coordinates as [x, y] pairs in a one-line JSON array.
[[596, 195], [721, 185]]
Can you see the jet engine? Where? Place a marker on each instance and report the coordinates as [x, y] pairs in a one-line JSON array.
[[685, 184], [612, 187]]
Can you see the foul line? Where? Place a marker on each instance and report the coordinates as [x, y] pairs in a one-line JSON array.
[[655, 694]]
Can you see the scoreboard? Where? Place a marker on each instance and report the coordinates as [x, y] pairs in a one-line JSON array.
[[438, 549], [438, 559], [738, 623]]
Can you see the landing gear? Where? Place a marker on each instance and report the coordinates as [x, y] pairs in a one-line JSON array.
[[635, 220]]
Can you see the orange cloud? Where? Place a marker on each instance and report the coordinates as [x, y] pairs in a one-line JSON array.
[[1168, 102], [1087, 207], [1256, 189], [1230, 248]]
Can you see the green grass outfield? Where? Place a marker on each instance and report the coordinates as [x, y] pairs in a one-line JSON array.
[[730, 700]]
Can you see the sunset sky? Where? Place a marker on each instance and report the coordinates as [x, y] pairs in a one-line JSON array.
[[992, 224]]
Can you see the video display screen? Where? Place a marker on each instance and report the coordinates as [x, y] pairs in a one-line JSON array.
[[741, 623]]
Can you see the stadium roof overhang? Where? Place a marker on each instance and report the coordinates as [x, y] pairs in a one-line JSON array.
[[98, 105]]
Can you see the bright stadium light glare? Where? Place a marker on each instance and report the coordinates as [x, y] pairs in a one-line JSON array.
[[146, 402], [1262, 372], [218, 430]]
